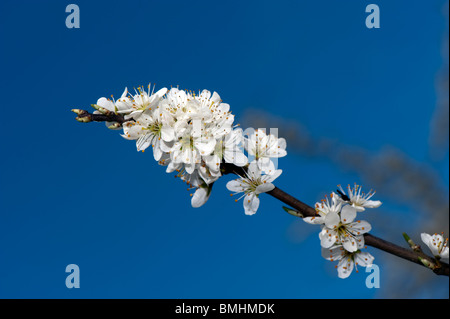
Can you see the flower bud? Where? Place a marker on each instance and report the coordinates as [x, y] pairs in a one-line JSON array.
[[77, 111], [101, 109], [84, 119], [114, 126], [293, 212], [427, 263]]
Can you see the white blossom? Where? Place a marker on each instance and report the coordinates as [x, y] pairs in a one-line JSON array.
[[323, 208], [437, 245], [150, 129], [347, 261], [264, 147], [359, 200], [342, 229], [143, 101], [253, 184]]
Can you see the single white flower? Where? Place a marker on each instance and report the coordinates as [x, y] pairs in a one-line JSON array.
[[347, 260], [213, 111], [342, 229], [143, 101], [148, 130], [437, 245], [324, 208], [265, 147], [360, 201], [253, 184]]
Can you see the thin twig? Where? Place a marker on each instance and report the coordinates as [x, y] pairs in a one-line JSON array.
[[85, 116], [418, 257], [370, 240]]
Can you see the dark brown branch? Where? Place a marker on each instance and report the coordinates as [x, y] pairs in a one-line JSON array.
[[85, 116], [404, 253], [303, 208], [440, 268], [370, 240]]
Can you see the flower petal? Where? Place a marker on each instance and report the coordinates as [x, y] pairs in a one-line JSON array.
[[314, 220], [372, 204], [205, 145], [253, 171], [200, 197], [264, 188], [327, 238], [235, 157], [426, 238], [348, 214], [332, 220], [157, 152], [350, 244], [167, 133], [334, 253], [235, 186], [143, 142], [345, 267], [364, 259], [274, 175], [251, 204], [444, 253], [359, 227]]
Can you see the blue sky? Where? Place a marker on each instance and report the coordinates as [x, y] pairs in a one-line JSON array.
[[79, 193]]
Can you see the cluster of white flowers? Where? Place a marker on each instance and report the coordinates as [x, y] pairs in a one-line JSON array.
[[341, 235], [193, 134]]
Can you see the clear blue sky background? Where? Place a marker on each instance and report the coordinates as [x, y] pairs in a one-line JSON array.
[[79, 193]]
